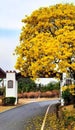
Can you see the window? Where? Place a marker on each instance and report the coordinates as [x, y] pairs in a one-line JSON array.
[[68, 82], [10, 84]]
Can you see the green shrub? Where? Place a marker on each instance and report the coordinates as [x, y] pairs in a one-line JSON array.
[[66, 95], [8, 101]]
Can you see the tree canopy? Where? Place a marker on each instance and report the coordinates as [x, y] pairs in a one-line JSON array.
[[26, 85], [47, 42]]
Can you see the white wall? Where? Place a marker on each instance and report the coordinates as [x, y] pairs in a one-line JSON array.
[[11, 92]]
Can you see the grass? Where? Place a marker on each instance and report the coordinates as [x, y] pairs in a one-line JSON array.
[[34, 123], [69, 116], [66, 120]]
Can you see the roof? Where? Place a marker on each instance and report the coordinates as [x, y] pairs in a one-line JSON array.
[[2, 73]]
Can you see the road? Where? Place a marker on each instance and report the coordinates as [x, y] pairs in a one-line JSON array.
[[15, 119]]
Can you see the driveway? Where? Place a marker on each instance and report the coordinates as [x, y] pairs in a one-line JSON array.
[[15, 119]]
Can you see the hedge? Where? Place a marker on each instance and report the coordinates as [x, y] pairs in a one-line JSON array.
[[8, 101]]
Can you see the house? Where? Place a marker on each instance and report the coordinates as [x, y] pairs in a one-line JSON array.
[[2, 77], [2, 73]]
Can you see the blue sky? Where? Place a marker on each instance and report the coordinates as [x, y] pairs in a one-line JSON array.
[[11, 14]]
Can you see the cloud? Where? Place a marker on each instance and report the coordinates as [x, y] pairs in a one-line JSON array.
[[12, 11], [9, 39]]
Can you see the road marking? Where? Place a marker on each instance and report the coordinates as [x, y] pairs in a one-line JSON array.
[[43, 124]]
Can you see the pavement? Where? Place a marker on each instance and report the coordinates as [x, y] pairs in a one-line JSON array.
[[23, 101], [15, 119]]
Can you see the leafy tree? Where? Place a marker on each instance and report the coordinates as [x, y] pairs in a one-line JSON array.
[[54, 85], [26, 85], [47, 42], [50, 86]]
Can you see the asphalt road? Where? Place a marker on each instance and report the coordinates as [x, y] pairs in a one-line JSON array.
[[15, 119]]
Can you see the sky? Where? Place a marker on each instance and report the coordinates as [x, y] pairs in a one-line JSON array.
[[11, 14]]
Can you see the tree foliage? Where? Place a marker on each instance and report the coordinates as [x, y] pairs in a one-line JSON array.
[[54, 85], [47, 42], [26, 85]]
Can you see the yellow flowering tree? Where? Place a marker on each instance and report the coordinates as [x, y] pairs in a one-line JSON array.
[[71, 89], [68, 94], [47, 42]]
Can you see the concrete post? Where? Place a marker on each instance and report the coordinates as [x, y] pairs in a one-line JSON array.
[[61, 85], [11, 84]]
